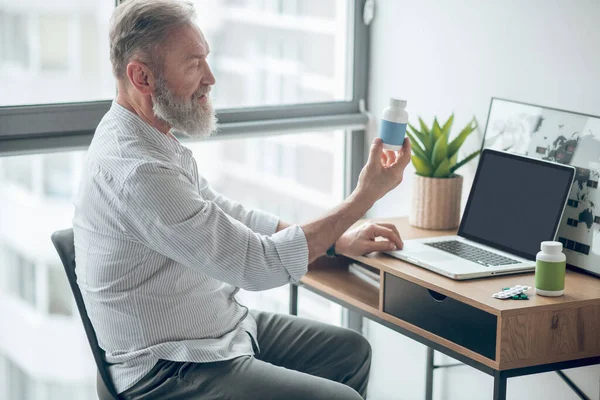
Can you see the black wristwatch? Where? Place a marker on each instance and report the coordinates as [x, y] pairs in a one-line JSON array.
[[331, 251]]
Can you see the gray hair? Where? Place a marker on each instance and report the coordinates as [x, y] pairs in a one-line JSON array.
[[138, 27]]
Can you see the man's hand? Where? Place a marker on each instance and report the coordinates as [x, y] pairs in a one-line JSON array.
[[382, 173], [384, 170], [361, 240]]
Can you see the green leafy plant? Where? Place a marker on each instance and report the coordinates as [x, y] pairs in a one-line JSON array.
[[433, 154]]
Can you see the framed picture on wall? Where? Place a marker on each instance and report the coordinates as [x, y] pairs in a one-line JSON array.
[[564, 137]]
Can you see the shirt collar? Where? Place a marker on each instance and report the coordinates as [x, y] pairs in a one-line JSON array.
[[148, 131]]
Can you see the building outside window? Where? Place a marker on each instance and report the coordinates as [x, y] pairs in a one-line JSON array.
[[18, 171], [20, 275], [60, 299], [58, 176], [14, 46]]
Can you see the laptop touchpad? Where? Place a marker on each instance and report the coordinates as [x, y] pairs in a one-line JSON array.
[[432, 256]]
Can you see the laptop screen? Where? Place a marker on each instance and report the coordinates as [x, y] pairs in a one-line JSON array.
[[515, 202]]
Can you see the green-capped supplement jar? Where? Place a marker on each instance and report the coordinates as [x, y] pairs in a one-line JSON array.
[[550, 266]]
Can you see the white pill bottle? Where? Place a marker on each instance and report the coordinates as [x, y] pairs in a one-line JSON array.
[[393, 124]]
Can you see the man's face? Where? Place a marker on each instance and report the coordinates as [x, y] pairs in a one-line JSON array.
[[183, 82]]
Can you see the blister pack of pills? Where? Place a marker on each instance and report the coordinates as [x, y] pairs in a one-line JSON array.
[[518, 292]]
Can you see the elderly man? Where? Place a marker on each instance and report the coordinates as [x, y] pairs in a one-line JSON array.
[[161, 256]]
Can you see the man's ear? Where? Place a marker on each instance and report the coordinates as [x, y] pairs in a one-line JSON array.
[[140, 77]]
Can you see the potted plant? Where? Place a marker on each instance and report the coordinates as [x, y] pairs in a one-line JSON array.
[[437, 188]]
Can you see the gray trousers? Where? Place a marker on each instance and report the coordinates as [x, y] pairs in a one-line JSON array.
[[298, 359]]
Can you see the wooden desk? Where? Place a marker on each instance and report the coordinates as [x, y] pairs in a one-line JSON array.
[[503, 338]]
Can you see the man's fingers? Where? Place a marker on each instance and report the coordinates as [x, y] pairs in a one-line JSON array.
[[406, 151], [376, 147], [387, 233], [406, 145], [404, 157], [391, 156], [384, 158], [394, 229], [379, 245], [390, 226]]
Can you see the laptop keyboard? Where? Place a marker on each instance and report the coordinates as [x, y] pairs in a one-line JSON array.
[[472, 253]]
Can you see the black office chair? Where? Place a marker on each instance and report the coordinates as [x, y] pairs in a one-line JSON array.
[[63, 241]]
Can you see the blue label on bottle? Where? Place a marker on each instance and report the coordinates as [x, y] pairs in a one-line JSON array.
[[392, 132]]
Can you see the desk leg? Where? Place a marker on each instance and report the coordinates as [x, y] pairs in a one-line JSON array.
[[354, 321], [293, 299], [429, 375], [572, 385], [499, 385]]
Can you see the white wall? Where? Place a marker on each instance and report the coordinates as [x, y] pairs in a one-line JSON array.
[[452, 56]]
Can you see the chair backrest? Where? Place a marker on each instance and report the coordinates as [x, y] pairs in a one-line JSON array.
[[64, 243]]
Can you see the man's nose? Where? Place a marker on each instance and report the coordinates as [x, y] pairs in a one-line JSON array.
[[208, 78]]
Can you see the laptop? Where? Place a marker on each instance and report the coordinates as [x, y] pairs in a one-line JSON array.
[[515, 203]]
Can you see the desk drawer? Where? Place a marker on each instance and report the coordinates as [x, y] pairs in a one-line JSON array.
[[444, 316]]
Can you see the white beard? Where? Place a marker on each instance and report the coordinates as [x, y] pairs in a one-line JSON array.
[[190, 117]]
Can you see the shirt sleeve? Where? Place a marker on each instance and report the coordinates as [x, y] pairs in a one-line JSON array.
[[259, 221], [160, 207]]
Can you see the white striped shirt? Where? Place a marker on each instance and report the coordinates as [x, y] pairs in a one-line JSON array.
[[160, 255]]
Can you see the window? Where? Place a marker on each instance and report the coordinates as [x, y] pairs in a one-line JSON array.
[[60, 297], [19, 384], [50, 175], [273, 53], [21, 275], [290, 79], [272, 173], [70, 391], [60, 392], [277, 53], [18, 171], [54, 42], [57, 173], [14, 48], [54, 52]]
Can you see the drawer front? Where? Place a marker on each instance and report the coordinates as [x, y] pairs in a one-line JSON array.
[[443, 316]]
